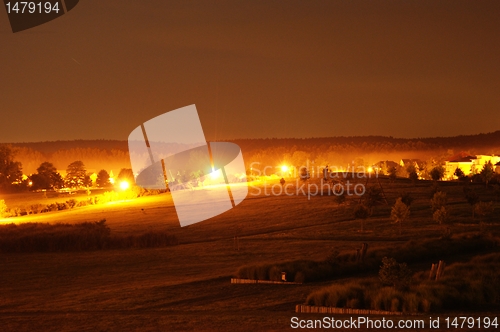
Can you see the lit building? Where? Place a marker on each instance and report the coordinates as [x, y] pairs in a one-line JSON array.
[[468, 164], [482, 160]]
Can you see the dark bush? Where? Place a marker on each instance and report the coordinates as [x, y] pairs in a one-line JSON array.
[[37, 208], [82, 203], [62, 206], [72, 203], [44, 237]]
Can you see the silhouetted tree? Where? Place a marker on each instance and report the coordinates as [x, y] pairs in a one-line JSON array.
[[487, 172], [87, 181], [76, 174], [441, 216], [411, 168], [459, 173], [282, 181], [413, 176], [10, 170], [126, 174], [373, 197], [472, 198], [399, 213], [46, 177], [407, 198], [437, 173], [438, 200], [102, 180], [393, 173]]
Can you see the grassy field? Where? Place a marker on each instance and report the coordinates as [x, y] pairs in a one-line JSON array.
[[187, 287]]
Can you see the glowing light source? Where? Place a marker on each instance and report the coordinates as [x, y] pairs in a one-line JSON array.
[[215, 174], [111, 180], [124, 185], [284, 168], [370, 169]]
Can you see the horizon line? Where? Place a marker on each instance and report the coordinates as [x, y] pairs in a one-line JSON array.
[[262, 138]]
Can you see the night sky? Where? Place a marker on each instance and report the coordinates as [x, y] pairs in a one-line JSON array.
[[255, 69]]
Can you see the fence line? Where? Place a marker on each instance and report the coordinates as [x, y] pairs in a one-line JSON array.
[[254, 281], [302, 308]]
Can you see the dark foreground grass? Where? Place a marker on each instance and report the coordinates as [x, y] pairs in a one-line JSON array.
[[187, 287], [44, 237], [464, 286]]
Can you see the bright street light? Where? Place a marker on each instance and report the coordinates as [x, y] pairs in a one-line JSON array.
[[124, 185]]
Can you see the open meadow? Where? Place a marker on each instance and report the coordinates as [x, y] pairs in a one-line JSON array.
[[187, 286]]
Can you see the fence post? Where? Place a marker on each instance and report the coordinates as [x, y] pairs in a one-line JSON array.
[[439, 270], [433, 271]]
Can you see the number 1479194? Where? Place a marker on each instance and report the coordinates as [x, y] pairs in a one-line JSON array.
[[471, 322], [31, 7]]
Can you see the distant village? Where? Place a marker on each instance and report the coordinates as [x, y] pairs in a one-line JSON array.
[[469, 165], [459, 164]]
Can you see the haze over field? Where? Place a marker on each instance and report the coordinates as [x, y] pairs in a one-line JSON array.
[[339, 151]]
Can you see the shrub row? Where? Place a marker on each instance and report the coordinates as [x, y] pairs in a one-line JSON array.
[[464, 286], [106, 197], [342, 265], [44, 237], [297, 271]]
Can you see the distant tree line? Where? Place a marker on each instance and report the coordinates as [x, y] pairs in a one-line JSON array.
[[352, 151], [47, 176], [94, 157]]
